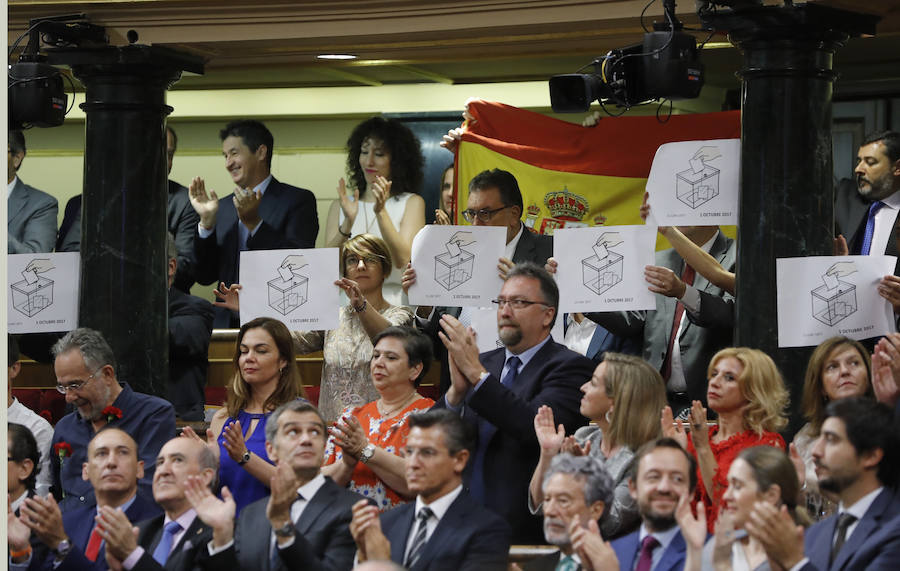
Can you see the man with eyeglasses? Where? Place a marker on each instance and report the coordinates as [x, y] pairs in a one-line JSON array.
[[500, 392], [86, 373], [494, 200]]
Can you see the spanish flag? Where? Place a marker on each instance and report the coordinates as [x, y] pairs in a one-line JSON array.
[[573, 176]]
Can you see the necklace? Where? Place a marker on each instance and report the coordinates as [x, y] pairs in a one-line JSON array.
[[366, 215], [399, 407]]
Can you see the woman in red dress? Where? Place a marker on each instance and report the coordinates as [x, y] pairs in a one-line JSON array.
[[748, 394]]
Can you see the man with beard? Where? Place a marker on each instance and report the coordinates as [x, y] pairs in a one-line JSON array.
[[866, 213], [500, 392], [857, 457], [576, 488], [86, 373], [663, 472]]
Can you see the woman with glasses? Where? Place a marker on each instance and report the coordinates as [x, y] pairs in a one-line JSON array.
[[347, 350], [384, 164]]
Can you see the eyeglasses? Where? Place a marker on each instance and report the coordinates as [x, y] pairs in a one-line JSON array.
[[63, 389], [353, 261], [484, 214], [516, 303]]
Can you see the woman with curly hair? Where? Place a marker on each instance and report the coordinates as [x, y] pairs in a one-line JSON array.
[[748, 394], [384, 164]]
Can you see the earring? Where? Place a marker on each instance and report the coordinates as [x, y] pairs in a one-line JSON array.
[[608, 416]]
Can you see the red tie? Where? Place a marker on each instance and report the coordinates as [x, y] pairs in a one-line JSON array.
[[93, 546], [687, 277]]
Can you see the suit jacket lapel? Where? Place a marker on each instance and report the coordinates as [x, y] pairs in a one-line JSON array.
[[188, 541], [819, 550], [444, 532], [673, 557], [525, 248], [868, 525], [16, 201], [399, 534], [269, 206], [316, 505]]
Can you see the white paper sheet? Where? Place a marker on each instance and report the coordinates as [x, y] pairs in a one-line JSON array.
[[602, 268], [42, 292], [695, 183], [306, 300], [484, 322], [822, 296], [457, 265]]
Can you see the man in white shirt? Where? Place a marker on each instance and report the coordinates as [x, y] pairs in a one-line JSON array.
[[857, 457], [444, 528], [20, 414]]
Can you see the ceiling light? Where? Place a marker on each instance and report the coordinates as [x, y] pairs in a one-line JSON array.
[[336, 56]]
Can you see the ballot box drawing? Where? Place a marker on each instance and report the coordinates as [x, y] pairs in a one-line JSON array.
[[603, 270], [31, 298], [286, 295], [833, 305], [453, 267], [697, 187]]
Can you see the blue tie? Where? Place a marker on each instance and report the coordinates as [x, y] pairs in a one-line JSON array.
[[161, 553], [485, 431], [870, 228]]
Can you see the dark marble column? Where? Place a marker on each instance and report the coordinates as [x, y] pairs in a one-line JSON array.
[[787, 199], [123, 290]]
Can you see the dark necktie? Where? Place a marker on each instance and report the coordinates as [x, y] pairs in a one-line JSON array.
[[486, 430], [866, 244], [845, 520], [687, 276], [645, 559], [418, 544], [161, 553]]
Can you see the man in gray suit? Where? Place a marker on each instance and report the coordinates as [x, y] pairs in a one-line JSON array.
[[693, 318], [30, 213], [303, 524]]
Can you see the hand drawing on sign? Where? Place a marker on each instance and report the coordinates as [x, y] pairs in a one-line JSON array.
[[835, 299], [290, 289], [455, 266], [603, 269], [699, 184], [34, 293]]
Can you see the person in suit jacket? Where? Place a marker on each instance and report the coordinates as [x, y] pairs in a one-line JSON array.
[[494, 200], [30, 213], [303, 524], [190, 330], [459, 534], [857, 457], [262, 214], [704, 327], [576, 489], [500, 391], [663, 474], [72, 540], [177, 539]]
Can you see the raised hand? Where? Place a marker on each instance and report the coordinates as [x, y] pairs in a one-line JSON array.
[[571, 446], [283, 486], [228, 297], [205, 204], [408, 278], [349, 434], [351, 288], [235, 444], [595, 553], [886, 369], [549, 437], [246, 202], [365, 527], [44, 518], [441, 218], [664, 281], [671, 429], [349, 204], [216, 513], [699, 432], [17, 533], [381, 191], [692, 528], [775, 529], [117, 531]]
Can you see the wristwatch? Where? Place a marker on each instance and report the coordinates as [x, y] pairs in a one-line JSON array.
[[367, 453], [244, 459], [62, 550], [287, 530]]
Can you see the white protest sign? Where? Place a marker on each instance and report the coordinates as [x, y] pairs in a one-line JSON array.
[[43, 292], [823, 296], [484, 322], [457, 265], [602, 268], [293, 286], [695, 183]]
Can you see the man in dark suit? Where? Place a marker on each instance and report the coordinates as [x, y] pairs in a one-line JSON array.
[[690, 323], [30, 213], [444, 528], [176, 540], [576, 489], [304, 524], [857, 457], [72, 540], [262, 214], [500, 392], [663, 473], [190, 329], [494, 200]]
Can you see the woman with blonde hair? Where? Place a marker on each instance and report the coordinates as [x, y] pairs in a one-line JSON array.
[[839, 367], [748, 394], [620, 383]]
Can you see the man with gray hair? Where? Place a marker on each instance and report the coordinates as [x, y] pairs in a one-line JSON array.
[[576, 488], [190, 329], [85, 370]]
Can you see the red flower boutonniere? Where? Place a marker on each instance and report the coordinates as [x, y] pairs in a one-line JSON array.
[[62, 449], [111, 413]]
